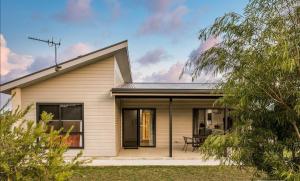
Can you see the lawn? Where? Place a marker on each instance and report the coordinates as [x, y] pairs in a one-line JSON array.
[[189, 173]]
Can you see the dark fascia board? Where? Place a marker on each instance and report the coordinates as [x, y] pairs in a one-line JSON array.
[[67, 69], [168, 97], [164, 91]]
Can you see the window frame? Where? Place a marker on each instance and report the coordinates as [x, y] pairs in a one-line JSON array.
[[38, 104]]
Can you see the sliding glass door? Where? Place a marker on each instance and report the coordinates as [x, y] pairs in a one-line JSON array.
[[138, 128], [130, 131], [147, 125], [206, 121]]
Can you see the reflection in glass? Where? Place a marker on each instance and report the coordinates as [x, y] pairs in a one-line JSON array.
[[146, 127], [207, 121]]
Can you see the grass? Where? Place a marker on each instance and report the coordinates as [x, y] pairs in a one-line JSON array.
[[189, 173]]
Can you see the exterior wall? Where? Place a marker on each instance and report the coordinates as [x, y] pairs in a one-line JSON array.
[[118, 80], [16, 100], [118, 126], [182, 117], [90, 85]]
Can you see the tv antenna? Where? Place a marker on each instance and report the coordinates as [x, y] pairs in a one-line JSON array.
[[50, 43]]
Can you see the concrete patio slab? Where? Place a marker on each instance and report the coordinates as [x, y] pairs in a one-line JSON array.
[[148, 162]]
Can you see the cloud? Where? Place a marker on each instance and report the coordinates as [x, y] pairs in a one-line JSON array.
[[171, 75], [159, 5], [166, 17], [75, 50], [195, 54], [76, 11], [11, 61], [14, 65], [209, 43], [137, 76], [153, 56], [204, 76], [41, 62]]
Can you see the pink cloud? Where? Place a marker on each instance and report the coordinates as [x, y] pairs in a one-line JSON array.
[[76, 10], [11, 61], [159, 5], [75, 50], [209, 43], [14, 65], [171, 75], [166, 17], [153, 56], [67, 53]]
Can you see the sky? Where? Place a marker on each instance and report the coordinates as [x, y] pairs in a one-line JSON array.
[[162, 34]]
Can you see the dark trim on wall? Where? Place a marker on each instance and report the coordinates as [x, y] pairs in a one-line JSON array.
[[168, 97], [170, 128]]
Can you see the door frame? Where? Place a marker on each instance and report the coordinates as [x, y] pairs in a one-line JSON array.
[[138, 127]]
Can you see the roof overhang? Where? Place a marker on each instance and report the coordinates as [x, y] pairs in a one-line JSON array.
[[132, 92], [118, 50]]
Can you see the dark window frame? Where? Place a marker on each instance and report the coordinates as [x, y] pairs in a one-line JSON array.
[[138, 125], [59, 104]]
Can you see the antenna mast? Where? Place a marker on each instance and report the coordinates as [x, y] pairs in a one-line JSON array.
[[50, 43]]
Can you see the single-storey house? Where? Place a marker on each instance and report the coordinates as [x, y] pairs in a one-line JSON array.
[[109, 112]]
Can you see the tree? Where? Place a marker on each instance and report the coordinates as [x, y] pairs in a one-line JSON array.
[[259, 57], [32, 151]]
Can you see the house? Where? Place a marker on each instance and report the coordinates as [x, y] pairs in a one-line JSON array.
[[109, 113]]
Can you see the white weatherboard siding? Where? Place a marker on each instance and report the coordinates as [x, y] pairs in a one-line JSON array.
[[16, 100], [118, 80], [182, 117], [90, 85]]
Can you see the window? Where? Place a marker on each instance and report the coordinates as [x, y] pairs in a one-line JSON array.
[[65, 116], [207, 121]]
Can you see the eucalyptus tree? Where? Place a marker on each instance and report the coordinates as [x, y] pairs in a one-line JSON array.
[[258, 54]]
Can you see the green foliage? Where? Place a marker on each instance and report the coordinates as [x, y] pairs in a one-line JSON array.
[[259, 57], [29, 152]]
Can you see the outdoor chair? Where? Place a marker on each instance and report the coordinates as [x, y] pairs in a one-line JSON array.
[[187, 141], [197, 141]]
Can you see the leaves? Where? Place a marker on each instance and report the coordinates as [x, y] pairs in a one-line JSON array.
[[29, 152], [259, 56]]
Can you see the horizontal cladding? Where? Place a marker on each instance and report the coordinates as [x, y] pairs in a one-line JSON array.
[[90, 85]]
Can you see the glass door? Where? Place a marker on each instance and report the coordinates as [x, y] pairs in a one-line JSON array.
[[147, 128], [130, 128]]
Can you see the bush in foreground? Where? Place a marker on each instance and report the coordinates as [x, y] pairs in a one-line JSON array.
[[32, 151]]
